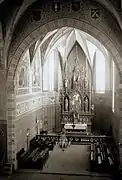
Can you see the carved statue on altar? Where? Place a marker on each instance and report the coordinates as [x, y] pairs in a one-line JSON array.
[[76, 77], [75, 116], [66, 103], [76, 102], [86, 104], [92, 107], [85, 83], [66, 83]]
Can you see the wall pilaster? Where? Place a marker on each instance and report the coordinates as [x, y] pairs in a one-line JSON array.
[[11, 117], [3, 119]]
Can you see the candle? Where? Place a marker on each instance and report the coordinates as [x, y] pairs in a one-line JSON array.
[[74, 115], [78, 116]]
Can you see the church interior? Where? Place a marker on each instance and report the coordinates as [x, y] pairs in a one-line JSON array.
[[60, 90]]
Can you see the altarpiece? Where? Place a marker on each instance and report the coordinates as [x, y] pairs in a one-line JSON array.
[[76, 99]]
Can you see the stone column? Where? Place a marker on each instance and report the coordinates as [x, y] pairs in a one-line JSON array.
[[3, 119]]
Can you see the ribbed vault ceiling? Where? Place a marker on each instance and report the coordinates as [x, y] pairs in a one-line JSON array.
[[64, 40]]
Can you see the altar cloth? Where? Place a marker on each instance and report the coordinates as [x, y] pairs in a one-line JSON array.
[[78, 126]]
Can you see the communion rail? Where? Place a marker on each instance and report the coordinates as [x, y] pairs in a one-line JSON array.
[[78, 139]]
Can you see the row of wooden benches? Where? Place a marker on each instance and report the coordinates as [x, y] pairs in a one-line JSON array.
[[42, 143], [102, 158], [35, 156]]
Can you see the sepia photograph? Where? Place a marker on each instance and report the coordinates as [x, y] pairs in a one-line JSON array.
[[60, 89]]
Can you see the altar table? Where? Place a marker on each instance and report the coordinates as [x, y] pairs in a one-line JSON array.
[[79, 126]]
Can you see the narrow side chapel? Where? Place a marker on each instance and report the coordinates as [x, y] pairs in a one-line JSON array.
[[72, 115]]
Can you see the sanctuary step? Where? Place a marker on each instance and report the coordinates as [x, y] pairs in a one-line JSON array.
[[57, 176]]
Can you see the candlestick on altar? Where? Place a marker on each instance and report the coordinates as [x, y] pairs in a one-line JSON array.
[[74, 115], [78, 116]]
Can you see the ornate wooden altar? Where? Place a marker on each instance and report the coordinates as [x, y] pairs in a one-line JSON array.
[[76, 99]]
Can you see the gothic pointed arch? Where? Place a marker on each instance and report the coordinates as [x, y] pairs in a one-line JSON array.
[[76, 43]]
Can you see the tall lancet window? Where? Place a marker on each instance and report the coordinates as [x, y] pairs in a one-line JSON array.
[[48, 73], [113, 85], [100, 72], [45, 76]]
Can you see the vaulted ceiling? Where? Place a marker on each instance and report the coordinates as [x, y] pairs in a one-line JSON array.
[[65, 39]]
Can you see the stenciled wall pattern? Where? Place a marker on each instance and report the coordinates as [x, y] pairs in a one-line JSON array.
[[35, 103]]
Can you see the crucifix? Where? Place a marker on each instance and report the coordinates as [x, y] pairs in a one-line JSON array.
[[73, 125]]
